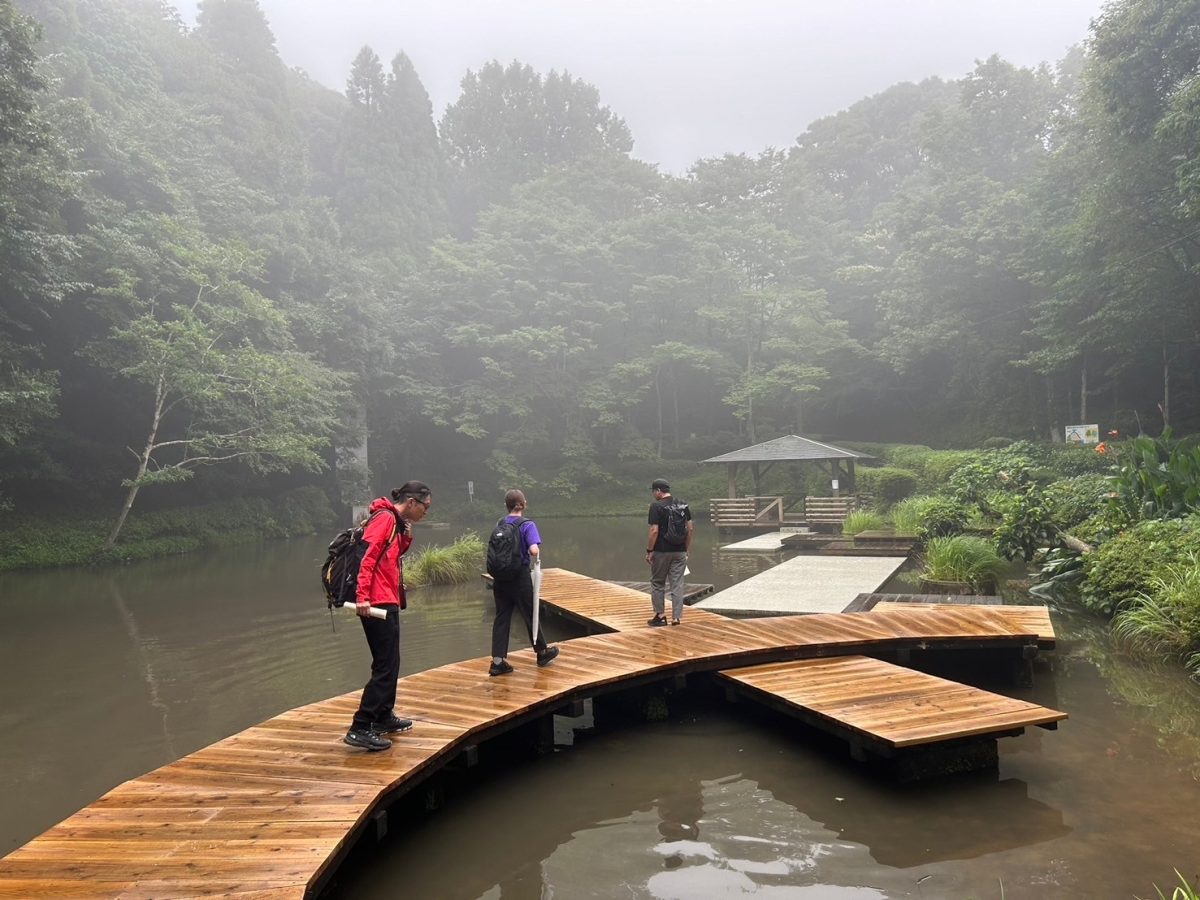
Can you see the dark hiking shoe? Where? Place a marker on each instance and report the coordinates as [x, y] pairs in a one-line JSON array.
[[657, 622], [391, 725], [547, 656], [359, 737], [501, 668], [674, 621]]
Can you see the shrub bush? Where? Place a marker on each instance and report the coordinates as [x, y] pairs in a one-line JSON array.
[[995, 443], [1125, 567], [888, 484], [933, 468], [52, 542], [942, 517], [1074, 500]]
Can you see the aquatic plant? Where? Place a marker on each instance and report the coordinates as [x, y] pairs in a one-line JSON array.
[[862, 520], [963, 558], [1184, 891], [908, 513], [460, 562], [1166, 619]]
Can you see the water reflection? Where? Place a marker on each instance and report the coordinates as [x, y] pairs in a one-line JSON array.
[[107, 674]]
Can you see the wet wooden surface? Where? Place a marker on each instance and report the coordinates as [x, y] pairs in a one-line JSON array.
[[1033, 619], [891, 704], [267, 812]]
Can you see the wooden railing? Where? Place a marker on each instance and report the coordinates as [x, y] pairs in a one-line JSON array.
[[730, 512], [828, 510]]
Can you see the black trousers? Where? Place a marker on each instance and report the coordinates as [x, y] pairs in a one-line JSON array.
[[516, 593], [379, 696]]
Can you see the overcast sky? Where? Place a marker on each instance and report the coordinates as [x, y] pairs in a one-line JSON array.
[[692, 78]]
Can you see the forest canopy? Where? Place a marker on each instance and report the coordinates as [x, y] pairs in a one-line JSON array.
[[219, 276]]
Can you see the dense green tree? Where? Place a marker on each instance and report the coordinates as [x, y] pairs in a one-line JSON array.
[[389, 183], [511, 125], [213, 360], [34, 246]]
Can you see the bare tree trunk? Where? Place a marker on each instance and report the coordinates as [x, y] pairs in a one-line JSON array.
[[143, 465], [659, 405], [1083, 391], [675, 409], [1165, 406], [1056, 434]]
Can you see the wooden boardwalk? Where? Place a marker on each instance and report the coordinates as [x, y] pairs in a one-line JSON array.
[[887, 704], [270, 812]]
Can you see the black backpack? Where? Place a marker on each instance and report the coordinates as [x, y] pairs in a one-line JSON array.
[[504, 561], [339, 573], [675, 532]]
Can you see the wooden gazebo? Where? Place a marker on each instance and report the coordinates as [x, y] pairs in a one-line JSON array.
[[837, 462]]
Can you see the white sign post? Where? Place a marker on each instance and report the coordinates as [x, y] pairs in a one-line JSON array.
[[1083, 434]]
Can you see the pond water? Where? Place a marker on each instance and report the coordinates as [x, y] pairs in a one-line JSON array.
[[109, 673]]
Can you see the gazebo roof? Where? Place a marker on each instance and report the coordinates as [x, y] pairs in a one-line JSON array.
[[790, 447]]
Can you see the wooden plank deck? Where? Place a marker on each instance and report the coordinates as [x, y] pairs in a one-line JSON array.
[[1031, 619], [890, 704], [270, 812], [691, 592]]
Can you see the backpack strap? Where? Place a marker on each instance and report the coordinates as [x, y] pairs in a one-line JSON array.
[[395, 527]]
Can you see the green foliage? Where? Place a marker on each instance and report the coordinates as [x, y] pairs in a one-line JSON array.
[[1025, 525], [862, 520], [1124, 568], [458, 563], [1183, 891], [908, 514], [1060, 573], [941, 517], [887, 483], [1165, 619], [1071, 501], [963, 558], [46, 543], [932, 467], [1159, 478]]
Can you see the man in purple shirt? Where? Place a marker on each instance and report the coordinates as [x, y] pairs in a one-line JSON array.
[[518, 591]]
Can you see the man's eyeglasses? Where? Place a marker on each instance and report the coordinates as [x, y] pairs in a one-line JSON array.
[[425, 503]]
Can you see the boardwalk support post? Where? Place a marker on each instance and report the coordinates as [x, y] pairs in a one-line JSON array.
[[573, 710], [379, 817]]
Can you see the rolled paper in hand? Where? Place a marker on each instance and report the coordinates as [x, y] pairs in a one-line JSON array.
[[375, 613]]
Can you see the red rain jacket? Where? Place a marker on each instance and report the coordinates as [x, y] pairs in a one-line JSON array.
[[380, 577]]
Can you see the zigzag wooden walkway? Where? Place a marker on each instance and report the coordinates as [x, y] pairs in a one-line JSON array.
[[269, 812], [871, 702]]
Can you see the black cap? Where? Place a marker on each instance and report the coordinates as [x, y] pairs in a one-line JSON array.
[[659, 484]]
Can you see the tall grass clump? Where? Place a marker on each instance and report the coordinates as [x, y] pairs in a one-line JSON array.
[[460, 562], [908, 514], [1166, 619], [963, 558], [862, 520]]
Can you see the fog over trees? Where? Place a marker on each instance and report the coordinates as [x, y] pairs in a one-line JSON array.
[[218, 275]]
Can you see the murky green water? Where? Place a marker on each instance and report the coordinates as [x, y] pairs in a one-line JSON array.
[[107, 674]]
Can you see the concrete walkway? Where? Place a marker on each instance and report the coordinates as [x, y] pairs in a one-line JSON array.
[[805, 584], [770, 541]]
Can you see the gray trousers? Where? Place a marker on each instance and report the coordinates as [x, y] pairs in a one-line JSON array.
[[666, 575]]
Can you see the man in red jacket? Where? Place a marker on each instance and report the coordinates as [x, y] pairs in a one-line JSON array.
[[381, 584]]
